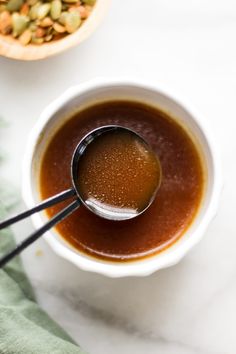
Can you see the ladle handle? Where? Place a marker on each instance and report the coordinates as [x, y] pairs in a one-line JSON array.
[[44, 205], [34, 236]]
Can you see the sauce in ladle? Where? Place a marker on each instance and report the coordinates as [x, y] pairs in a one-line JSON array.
[[118, 173]]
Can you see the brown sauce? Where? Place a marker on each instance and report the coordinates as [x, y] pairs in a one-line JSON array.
[[118, 174], [176, 202]]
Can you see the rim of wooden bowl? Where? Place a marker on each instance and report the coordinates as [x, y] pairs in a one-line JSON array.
[[11, 48]]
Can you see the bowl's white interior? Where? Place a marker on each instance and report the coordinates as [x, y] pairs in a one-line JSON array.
[[76, 99]]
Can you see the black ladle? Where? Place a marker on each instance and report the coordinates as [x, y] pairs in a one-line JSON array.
[[73, 192]]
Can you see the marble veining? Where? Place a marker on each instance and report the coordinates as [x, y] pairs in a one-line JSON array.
[[107, 318]]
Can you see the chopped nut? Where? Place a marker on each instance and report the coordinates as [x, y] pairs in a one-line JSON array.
[[24, 9], [59, 28], [88, 8], [48, 38], [84, 13], [2, 8], [5, 23], [40, 32], [25, 37], [46, 22]]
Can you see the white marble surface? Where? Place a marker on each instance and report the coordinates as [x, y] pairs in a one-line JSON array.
[[188, 46]]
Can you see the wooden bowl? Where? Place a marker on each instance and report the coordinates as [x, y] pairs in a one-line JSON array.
[[11, 48]]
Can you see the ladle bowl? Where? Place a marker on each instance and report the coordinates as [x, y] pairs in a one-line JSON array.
[[101, 210]]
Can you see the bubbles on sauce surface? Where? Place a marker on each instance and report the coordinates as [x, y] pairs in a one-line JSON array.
[[119, 173]]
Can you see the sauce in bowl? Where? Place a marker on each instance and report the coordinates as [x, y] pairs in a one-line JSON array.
[[177, 201]]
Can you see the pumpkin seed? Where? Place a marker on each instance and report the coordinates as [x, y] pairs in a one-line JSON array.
[[31, 2], [34, 11], [14, 5], [56, 8], [65, 7], [25, 37], [43, 10], [72, 21], [62, 18], [36, 40], [32, 27], [89, 2], [19, 23], [70, 1]]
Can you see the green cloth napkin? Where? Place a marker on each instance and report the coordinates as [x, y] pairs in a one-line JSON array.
[[24, 327]]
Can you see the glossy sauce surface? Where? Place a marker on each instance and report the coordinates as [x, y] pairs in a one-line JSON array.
[[118, 175], [174, 207]]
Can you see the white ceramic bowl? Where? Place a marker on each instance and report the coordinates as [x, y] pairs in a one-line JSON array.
[[77, 98]]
